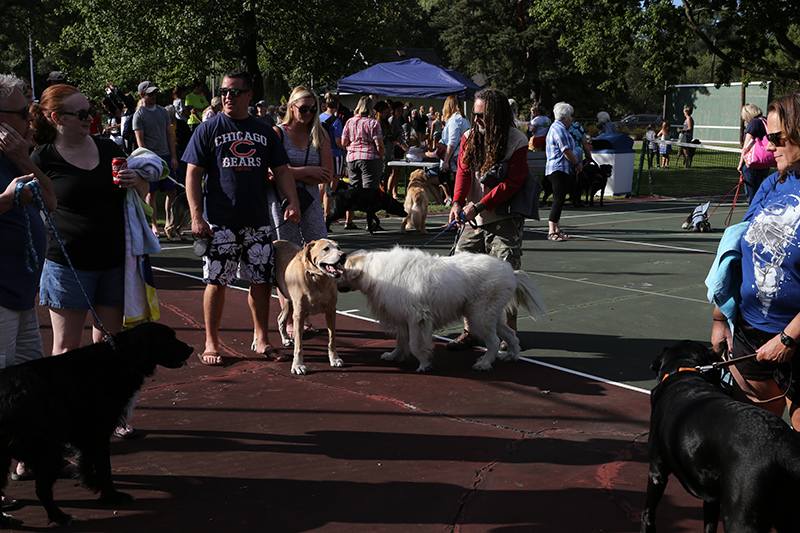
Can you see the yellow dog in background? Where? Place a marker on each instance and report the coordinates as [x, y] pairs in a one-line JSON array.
[[416, 204], [306, 276]]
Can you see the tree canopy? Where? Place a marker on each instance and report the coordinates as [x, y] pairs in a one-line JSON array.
[[617, 55]]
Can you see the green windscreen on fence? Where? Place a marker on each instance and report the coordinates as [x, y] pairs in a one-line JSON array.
[[708, 172]]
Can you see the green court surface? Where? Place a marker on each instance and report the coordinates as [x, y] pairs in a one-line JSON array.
[[628, 283]]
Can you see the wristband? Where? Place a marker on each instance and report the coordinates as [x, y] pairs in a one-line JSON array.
[[479, 207]]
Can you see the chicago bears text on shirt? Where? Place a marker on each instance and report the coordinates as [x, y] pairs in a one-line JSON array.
[[242, 148]]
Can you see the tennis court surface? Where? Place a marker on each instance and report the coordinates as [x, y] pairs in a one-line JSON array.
[[554, 442]]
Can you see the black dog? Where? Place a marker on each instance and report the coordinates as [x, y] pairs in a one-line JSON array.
[[370, 201], [593, 179], [78, 398], [574, 191], [742, 461]]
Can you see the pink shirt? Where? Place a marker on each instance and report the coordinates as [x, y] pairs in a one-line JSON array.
[[361, 133]]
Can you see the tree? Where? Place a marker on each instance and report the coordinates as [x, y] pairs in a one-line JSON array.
[[169, 42], [759, 38]]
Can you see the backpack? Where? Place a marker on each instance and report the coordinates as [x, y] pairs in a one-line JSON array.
[[328, 123]]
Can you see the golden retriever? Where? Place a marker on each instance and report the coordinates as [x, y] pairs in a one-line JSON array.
[[418, 293], [416, 204], [307, 279]]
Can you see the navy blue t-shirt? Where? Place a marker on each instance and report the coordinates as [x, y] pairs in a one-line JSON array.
[[18, 286], [236, 155]]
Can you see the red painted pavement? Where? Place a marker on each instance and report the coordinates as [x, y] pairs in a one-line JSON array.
[[372, 446]]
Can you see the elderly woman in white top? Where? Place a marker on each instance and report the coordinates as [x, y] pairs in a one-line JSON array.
[[562, 164]]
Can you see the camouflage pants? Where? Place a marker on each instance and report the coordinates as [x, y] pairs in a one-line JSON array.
[[502, 239]]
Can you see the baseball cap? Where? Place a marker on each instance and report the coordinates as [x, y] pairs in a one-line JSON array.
[[55, 76], [262, 103], [147, 87]]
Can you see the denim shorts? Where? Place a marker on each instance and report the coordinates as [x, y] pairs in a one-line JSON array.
[[59, 288]]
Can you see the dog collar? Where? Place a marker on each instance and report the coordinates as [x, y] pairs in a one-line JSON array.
[[681, 369]]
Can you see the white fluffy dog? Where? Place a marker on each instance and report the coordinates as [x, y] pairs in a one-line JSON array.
[[418, 293]]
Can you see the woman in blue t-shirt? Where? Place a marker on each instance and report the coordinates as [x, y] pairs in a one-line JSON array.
[[768, 321]]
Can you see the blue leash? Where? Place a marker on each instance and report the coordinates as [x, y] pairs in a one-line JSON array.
[[32, 262], [450, 225]]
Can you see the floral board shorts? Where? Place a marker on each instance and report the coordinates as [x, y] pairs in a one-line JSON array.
[[240, 253]]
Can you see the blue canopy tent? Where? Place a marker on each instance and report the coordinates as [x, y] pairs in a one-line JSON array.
[[412, 78]]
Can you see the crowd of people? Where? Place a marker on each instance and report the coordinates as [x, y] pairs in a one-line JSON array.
[[256, 174]]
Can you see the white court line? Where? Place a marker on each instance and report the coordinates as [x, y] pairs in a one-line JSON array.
[[638, 243], [352, 314], [649, 293]]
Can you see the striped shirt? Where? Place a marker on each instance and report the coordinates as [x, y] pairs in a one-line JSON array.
[[359, 135]]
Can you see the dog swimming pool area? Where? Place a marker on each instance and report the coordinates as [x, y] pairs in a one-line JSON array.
[[556, 441]]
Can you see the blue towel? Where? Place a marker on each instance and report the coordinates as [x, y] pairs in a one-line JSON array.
[[724, 279]]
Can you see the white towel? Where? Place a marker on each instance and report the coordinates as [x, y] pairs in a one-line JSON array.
[[148, 165]]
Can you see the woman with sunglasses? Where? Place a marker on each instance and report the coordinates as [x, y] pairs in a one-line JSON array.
[[765, 308], [311, 163], [89, 219]]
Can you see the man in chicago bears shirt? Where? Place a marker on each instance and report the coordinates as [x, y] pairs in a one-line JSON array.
[[236, 152]]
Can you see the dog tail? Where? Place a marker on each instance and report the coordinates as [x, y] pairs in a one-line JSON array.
[[527, 296]]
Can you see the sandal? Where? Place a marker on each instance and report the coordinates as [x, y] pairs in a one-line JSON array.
[[125, 432], [555, 237], [465, 341], [308, 328], [563, 235], [270, 353], [9, 503], [203, 355], [350, 225]]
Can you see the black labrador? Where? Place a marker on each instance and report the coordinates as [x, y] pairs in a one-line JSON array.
[[370, 201], [78, 398], [593, 179], [741, 460]]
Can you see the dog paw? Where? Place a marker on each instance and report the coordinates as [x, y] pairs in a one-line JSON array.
[[423, 367], [482, 365], [336, 362], [300, 370], [61, 519], [287, 342], [6, 520], [389, 356]]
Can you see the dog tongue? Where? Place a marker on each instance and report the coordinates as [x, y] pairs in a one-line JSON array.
[[333, 270]]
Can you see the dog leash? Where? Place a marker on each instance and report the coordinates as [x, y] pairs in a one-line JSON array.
[[31, 258], [745, 388], [737, 188], [446, 228]]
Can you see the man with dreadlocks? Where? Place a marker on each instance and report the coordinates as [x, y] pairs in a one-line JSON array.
[[492, 166]]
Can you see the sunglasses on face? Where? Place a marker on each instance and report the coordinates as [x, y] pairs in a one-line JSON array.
[[303, 109], [776, 138], [477, 116], [233, 93], [23, 113], [83, 114]]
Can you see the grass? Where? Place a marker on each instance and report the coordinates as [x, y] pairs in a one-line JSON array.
[[713, 173]]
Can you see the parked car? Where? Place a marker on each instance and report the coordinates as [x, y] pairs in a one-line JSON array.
[[637, 122]]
